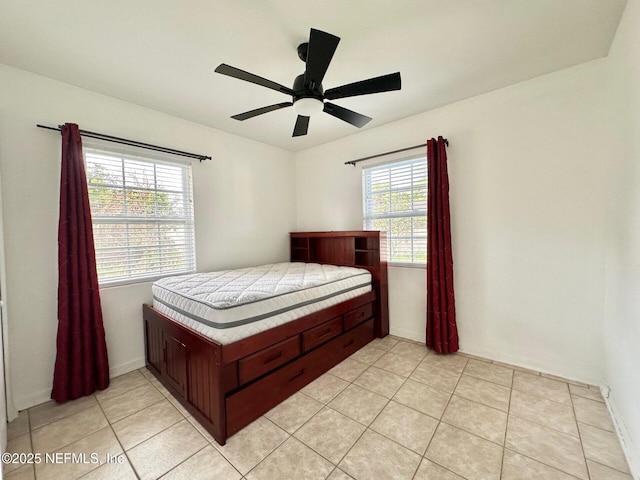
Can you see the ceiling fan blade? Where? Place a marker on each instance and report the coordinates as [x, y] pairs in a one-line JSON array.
[[385, 83], [346, 115], [234, 72], [320, 51], [260, 111], [302, 125]]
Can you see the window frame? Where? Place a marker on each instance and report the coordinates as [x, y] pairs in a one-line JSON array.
[[397, 162], [139, 155]]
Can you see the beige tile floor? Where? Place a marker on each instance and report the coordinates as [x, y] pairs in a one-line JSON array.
[[393, 410]]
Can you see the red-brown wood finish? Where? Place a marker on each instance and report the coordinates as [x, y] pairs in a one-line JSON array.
[[357, 248], [246, 346], [202, 356], [267, 359], [226, 387], [321, 334], [357, 316], [251, 402]]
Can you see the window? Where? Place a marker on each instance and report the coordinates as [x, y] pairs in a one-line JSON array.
[[142, 215], [395, 201]]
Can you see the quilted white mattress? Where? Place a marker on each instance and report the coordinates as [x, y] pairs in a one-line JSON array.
[[230, 305]]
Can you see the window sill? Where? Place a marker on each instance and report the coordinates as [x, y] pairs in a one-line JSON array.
[[422, 266], [135, 281]]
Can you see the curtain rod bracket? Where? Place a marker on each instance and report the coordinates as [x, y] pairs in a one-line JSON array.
[[131, 143]]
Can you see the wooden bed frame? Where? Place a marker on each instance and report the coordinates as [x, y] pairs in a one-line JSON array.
[[226, 387]]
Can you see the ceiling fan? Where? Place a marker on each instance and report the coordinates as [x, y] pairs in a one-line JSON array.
[[308, 95]]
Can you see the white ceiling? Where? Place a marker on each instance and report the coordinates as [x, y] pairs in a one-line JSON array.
[[161, 53]]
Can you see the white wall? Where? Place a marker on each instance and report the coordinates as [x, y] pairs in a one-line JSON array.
[[527, 199], [6, 407], [244, 208], [622, 262]]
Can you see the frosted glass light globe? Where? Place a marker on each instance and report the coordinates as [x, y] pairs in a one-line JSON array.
[[308, 106]]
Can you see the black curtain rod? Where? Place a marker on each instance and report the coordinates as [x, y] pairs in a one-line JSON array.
[[133, 143], [353, 162]]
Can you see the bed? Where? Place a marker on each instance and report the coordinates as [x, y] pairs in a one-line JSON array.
[[231, 345]]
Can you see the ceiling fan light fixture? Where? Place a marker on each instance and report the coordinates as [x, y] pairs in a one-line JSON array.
[[307, 95], [308, 106]]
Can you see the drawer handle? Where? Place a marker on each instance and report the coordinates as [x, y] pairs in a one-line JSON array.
[[359, 314], [297, 375], [325, 333], [273, 357], [348, 344]]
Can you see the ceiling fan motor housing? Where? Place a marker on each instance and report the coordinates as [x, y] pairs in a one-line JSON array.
[[308, 95], [303, 48], [301, 91]]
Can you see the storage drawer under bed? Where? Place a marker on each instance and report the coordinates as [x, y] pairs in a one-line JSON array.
[[247, 404], [268, 359], [357, 316], [321, 334]]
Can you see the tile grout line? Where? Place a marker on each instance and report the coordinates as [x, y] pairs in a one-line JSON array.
[[475, 400], [586, 398], [369, 426], [138, 411], [510, 415], [73, 441], [606, 431], [154, 435], [124, 452], [132, 413], [610, 467], [290, 435], [575, 416], [197, 452], [551, 428], [546, 426], [61, 418], [537, 395], [184, 418], [506, 427], [366, 427], [213, 445], [504, 447], [406, 379], [538, 461], [33, 467], [424, 456], [541, 424]]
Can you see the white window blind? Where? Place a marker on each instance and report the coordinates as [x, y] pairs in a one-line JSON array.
[[142, 209], [395, 201]]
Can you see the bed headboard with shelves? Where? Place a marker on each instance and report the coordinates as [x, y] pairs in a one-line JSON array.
[[356, 248]]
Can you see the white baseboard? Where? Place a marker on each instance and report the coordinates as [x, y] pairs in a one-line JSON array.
[[409, 334], [127, 367], [33, 399], [42, 396], [579, 375], [631, 451]]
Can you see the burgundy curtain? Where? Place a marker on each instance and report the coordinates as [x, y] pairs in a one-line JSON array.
[[81, 366], [442, 332]]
